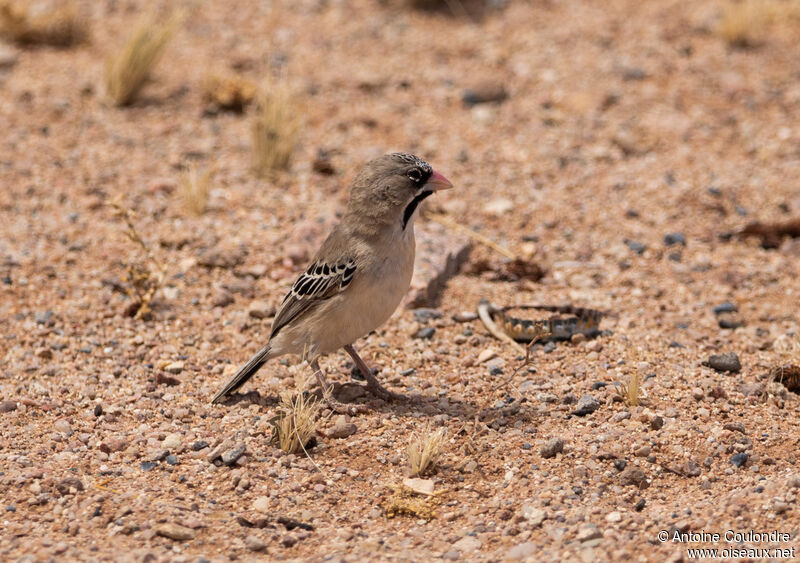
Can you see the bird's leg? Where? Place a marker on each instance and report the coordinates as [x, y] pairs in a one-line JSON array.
[[373, 385], [327, 394]]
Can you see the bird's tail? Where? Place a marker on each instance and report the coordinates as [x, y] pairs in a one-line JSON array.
[[244, 373]]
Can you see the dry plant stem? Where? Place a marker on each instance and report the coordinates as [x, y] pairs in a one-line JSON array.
[[127, 72], [486, 317], [275, 129], [540, 333], [194, 187], [447, 222]]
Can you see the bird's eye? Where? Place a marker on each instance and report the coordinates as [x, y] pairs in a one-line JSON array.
[[414, 175]]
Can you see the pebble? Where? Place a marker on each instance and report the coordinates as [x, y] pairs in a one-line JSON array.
[[174, 531], [62, 425], [487, 355], [8, 57], [69, 485], [41, 317], [552, 447], [589, 532], [8, 406], [614, 517], [726, 307], [587, 404], [199, 445], [467, 544], [735, 427], [636, 247], [425, 333], [485, 92], [113, 444], [633, 476], [254, 543], [342, 430], [221, 297], [521, 551], [98, 410], [730, 321], [288, 540], [465, 316], [148, 465], [260, 310], [230, 456], [739, 459], [424, 314], [671, 239], [656, 423], [421, 486], [261, 504], [534, 516], [172, 459], [172, 442], [728, 362], [642, 451], [174, 367]]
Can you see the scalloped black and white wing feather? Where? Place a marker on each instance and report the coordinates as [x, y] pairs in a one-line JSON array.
[[330, 273]]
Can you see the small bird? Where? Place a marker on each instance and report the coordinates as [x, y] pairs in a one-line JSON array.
[[357, 278]]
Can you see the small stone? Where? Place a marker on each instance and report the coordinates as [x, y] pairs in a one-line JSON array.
[[221, 257], [465, 316], [112, 444], [69, 485], [421, 486], [8, 57], [735, 427], [642, 451], [487, 355], [425, 333], [221, 297], [467, 544], [217, 451], [636, 247], [485, 92], [728, 362], [172, 459], [254, 543], [495, 370], [62, 425], [199, 445], [174, 367], [656, 423], [739, 459], [587, 404], [260, 310], [498, 206], [148, 465], [726, 307], [171, 442], [671, 239], [230, 456], [44, 353], [589, 532], [174, 531], [98, 410], [261, 504], [614, 517], [425, 314], [634, 476], [342, 430], [521, 551], [42, 317], [8, 406], [288, 540], [534, 516], [451, 555], [552, 447], [730, 321], [697, 394]]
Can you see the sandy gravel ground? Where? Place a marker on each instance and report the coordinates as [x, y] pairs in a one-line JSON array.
[[626, 122]]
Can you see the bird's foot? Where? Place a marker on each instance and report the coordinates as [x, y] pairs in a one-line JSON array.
[[382, 392]]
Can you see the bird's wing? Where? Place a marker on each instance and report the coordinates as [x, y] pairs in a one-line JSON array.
[[323, 279]]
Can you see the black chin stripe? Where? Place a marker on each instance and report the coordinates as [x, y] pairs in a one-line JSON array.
[[411, 207]]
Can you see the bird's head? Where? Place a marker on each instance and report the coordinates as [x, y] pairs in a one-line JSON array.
[[389, 189]]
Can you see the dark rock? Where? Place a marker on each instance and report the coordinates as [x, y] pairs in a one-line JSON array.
[[67, 484], [656, 423], [486, 92], [425, 333], [148, 465], [424, 314], [620, 464], [552, 447], [730, 320], [739, 459], [229, 457], [735, 427], [8, 406], [172, 459], [671, 239], [586, 405], [495, 370], [199, 445], [639, 505], [728, 362], [633, 73], [98, 410], [598, 385], [636, 247], [726, 307]]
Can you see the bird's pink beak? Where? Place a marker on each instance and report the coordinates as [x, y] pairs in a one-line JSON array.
[[438, 182]]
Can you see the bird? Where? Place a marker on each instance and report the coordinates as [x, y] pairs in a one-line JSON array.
[[358, 276]]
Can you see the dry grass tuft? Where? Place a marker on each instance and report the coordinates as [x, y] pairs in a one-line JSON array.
[[143, 279], [194, 187], [128, 70], [275, 129], [405, 502], [631, 392], [231, 93], [60, 26], [743, 23], [425, 450], [296, 422]]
